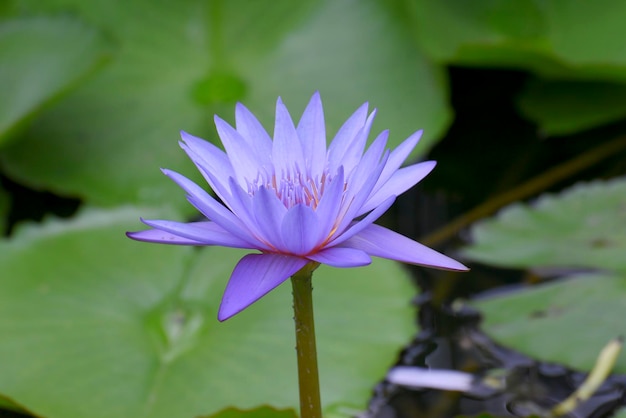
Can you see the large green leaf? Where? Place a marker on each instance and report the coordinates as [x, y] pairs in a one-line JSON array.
[[550, 37], [96, 325], [180, 62], [568, 321], [566, 107], [582, 227], [41, 58], [261, 412]]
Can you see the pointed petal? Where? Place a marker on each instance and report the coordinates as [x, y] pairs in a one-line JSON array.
[[241, 204], [312, 133], [382, 242], [161, 237], [254, 134], [206, 233], [254, 276], [402, 151], [214, 158], [269, 213], [358, 226], [356, 197], [207, 157], [371, 159], [377, 149], [210, 207], [401, 181], [219, 185], [397, 158], [330, 204], [354, 153], [287, 152], [341, 257], [345, 136], [242, 157], [300, 230]]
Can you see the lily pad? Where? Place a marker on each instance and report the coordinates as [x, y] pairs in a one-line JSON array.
[[568, 321], [261, 412], [583, 227], [178, 63], [97, 325], [566, 107], [43, 58], [552, 38]]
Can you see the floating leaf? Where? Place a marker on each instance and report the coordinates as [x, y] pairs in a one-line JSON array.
[[41, 59], [179, 63], [568, 321], [261, 412], [566, 107], [97, 325], [555, 38], [582, 227]]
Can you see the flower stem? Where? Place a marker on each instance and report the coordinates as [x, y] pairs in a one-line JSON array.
[[308, 379]]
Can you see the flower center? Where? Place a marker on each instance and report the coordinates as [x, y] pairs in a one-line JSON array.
[[292, 187]]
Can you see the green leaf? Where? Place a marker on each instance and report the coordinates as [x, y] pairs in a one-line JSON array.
[[181, 62], [472, 29], [552, 38], [97, 325], [568, 321], [566, 107], [261, 412], [9, 405], [40, 60], [581, 227]]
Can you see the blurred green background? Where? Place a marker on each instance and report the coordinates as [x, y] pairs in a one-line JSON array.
[[516, 98]]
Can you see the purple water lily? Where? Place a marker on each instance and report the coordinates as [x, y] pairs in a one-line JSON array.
[[295, 200]]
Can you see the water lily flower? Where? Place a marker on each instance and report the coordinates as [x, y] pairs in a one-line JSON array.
[[295, 200]]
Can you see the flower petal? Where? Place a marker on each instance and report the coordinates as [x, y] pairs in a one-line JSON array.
[[206, 233], [341, 257], [397, 157], [370, 159], [254, 134], [269, 213], [330, 204], [215, 158], [402, 151], [210, 207], [358, 226], [242, 157], [207, 157], [356, 197], [287, 151], [345, 137], [382, 242], [312, 133], [401, 181], [300, 230], [354, 153], [161, 237], [253, 277]]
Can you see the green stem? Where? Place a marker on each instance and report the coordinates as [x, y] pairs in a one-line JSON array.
[[308, 379]]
